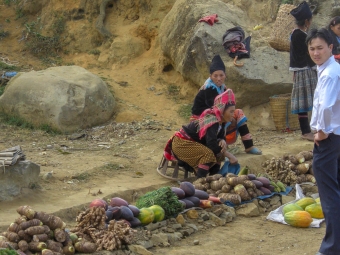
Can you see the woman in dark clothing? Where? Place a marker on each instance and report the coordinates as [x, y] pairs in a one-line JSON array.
[[201, 144], [305, 75], [334, 29], [204, 99]]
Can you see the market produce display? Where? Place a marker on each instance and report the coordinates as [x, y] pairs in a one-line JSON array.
[[301, 213], [96, 232], [291, 169], [35, 232], [238, 188], [165, 198]]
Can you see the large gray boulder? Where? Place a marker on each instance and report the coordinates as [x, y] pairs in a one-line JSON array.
[[23, 174], [190, 45], [67, 98]]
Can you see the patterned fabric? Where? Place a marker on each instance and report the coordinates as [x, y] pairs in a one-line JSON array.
[[214, 114], [193, 153], [304, 84], [232, 128], [168, 154], [210, 84]]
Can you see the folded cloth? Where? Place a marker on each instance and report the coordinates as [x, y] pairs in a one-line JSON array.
[[229, 168], [211, 19]]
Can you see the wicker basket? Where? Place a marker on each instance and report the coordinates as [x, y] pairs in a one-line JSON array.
[[281, 111], [282, 28]]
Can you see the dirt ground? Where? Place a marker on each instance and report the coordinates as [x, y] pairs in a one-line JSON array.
[[121, 157]]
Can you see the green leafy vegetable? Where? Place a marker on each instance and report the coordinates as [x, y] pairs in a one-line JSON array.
[[163, 197]]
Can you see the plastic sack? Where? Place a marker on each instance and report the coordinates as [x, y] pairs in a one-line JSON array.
[[277, 215]]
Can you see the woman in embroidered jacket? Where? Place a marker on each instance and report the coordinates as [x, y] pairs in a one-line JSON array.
[[201, 144], [204, 99], [305, 76]]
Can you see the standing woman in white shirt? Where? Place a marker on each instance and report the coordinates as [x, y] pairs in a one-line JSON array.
[[326, 123]]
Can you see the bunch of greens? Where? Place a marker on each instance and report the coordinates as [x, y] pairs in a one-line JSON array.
[[8, 252], [163, 197]]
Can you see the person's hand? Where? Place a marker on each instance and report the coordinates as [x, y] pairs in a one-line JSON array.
[[232, 159], [222, 143], [319, 136]]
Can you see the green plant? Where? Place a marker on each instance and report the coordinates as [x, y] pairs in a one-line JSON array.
[[16, 121], [19, 13], [173, 89], [286, 1], [3, 34], [8, 20], [6, 67], [48, 129], [185, 111], [94, 52]]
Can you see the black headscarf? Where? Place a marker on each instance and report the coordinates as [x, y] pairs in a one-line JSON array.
[[217, 64], [302, 12]]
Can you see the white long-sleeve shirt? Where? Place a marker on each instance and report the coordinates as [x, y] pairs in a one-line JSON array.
[[326, 103]]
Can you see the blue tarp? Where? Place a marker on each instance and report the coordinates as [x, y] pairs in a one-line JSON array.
[[288, 189]]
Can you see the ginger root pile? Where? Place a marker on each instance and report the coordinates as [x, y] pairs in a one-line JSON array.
[[291, 169], [96, 236]]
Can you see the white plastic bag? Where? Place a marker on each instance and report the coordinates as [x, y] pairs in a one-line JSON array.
[[277, 215]]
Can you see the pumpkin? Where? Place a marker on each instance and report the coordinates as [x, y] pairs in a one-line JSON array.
[[291, 208], [315, 211], [158, 212], [146, 216], [303, 202], [300, 219]]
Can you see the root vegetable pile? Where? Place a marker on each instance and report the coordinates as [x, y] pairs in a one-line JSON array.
[[291, 169], [95, 235], [36, 232], [236, 188]]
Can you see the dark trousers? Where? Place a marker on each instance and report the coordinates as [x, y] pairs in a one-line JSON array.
[[326, 167]]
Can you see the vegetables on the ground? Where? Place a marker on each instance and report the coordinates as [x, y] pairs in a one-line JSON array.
[[305, 201], [188, 188], [163, 197], [291, 207], [315, 210], [159, 213], [301, 219], [146, 215]]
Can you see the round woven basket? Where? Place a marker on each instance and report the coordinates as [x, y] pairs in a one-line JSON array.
[[282, 28], [281, 112]]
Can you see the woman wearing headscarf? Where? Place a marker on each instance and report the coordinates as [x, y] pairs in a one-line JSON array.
[[204, 99], [305, 75], [201, 144], [334, 29]]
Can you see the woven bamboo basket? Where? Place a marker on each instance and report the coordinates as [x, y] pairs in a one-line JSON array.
[[282, 28], [281, 112]]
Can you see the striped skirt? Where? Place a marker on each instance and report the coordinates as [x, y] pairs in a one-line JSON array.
[[304, 84]]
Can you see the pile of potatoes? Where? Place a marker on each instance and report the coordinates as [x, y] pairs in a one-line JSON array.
[[235, 188], [291, 169]]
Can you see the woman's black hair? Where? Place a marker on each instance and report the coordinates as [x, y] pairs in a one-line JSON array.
[[302, 22], [227, 106], [333, 22], [321, 33]]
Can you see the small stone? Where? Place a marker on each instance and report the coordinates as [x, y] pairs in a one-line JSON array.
[[196, 242], [176, 226], [47, 176], [180, 219], [49, 146], [205, 217], [192, 214]]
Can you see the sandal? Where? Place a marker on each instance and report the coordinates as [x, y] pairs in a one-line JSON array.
[[309, 137], [254, 151]]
